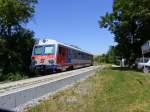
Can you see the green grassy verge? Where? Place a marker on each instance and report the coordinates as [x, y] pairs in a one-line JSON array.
[[111, 90]]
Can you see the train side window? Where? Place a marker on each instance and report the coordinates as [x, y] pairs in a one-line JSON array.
[[79, 55], [71, 53], [74, 54], [83, 56], [86, 57]]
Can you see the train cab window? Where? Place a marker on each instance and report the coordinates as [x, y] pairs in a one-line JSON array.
[[38, 50], [49, 50]]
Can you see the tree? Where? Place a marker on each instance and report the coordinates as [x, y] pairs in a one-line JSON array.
[[16, 42], [111, 55], [13, 13], [129, 22], [18, 57], [100, 58]]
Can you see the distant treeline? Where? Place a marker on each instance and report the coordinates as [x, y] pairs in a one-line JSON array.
[[109, 57]]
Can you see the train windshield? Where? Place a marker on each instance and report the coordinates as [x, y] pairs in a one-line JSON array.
[[49, 49], [38, 50]]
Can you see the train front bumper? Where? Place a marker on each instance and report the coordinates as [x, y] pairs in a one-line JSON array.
[[44, 67]]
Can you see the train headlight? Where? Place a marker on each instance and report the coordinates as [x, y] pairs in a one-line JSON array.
[[51, 61], [34, 62]]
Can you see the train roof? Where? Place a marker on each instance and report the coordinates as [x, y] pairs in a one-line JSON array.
[[51, 41]]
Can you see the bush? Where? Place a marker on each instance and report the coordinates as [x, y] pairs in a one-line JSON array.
[[15, 56], [16, 76]]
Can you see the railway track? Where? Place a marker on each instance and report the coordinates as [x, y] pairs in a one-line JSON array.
[[28, 89]]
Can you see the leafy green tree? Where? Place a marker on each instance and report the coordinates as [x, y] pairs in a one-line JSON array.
[[18, 58], [111, 55], [16, 42], [14, 13], [129, 22], [100, 59]]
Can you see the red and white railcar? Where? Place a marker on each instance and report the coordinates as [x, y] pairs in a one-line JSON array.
[[50, 54]]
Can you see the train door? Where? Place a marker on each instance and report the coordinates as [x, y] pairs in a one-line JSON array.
[[62, 55]]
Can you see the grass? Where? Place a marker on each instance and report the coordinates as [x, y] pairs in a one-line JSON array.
[[111, 90]]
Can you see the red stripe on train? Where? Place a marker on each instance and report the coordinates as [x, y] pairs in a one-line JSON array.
[[65, 64], [43, 57]]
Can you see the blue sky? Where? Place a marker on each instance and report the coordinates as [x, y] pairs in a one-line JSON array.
[[73, 22]]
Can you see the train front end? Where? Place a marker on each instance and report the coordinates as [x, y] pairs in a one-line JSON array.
[[44, 56]]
